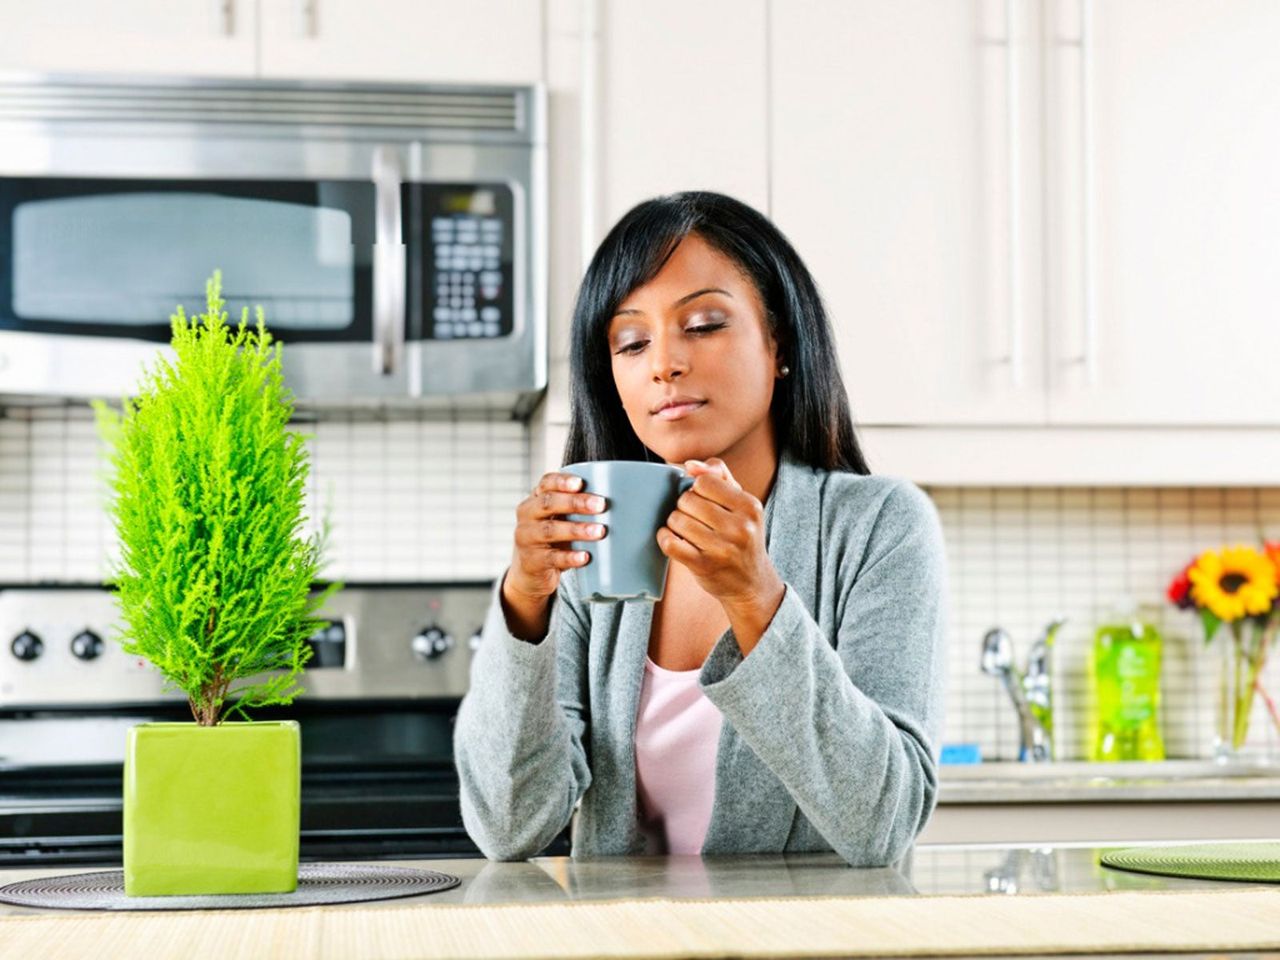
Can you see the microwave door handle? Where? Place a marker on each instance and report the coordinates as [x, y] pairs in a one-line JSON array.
[[388, 263]]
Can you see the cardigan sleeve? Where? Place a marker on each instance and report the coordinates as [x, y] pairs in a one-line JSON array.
[[518, 738], [848, 723]]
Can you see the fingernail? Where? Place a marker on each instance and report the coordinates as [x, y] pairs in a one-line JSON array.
[[596, 503], [594, 529], [574, 483]]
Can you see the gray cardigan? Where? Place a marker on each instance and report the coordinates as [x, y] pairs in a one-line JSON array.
[[830, 724]]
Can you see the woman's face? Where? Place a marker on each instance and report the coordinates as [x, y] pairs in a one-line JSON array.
[[696, 332]]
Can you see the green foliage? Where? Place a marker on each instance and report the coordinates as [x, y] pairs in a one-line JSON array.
[[214, 578]]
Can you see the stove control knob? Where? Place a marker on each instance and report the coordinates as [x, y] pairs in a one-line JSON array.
[[86, 645], [27, 646], [474, 642], [431, 642]]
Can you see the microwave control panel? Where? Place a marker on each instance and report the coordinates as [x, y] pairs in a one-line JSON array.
[[468, 273]]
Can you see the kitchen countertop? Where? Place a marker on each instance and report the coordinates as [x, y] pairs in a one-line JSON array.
[[1068, 781], [927, 871], [648, 906]]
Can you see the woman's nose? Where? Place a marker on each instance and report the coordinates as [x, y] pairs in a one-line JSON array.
[[667, 358]]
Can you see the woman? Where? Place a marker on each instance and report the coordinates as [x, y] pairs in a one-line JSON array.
[[786, 693]]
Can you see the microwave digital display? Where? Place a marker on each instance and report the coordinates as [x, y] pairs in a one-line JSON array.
[[468, 274]]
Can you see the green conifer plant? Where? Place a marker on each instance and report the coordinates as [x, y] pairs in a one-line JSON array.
[[214, 578]]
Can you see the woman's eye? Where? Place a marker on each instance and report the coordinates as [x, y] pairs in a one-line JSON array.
[[636, 346]]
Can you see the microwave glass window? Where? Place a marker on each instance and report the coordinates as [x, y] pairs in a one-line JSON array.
[[110, 256], [468, 252]]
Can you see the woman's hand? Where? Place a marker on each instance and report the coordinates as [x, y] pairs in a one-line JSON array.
[[541, 551], [717, 531]]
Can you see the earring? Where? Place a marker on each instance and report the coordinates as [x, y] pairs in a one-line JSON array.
[[783, 371]]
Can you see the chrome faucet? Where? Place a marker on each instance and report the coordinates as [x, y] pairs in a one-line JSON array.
[[1030, 690]]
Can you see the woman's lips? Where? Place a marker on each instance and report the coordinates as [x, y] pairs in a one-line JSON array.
[[679, 411]]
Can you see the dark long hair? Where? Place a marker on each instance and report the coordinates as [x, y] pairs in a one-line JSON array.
[[810, 409]]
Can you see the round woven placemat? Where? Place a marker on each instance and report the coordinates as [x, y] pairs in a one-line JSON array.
[[1205, 861], [317, 883]]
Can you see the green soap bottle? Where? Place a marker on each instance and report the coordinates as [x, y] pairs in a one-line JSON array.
[[1126, 682]]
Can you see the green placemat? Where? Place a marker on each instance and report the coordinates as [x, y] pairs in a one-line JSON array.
[[1258, 861]]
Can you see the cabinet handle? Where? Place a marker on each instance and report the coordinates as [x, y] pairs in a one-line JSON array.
[[308, 18], [225, 11], [388, 262], [1012, 105], [1088, 273]]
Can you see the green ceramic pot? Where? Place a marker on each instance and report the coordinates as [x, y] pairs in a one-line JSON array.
[[211, 809]]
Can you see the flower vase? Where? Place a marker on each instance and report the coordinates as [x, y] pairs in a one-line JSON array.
[[1242, 654]]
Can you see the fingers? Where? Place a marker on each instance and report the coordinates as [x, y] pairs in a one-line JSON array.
[[552, 498], [543, 535], [718, 491], [692, 530], [712, 466], [548, 531], [677, 548]]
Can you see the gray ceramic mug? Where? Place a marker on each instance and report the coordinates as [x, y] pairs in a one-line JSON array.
[[626, 563]]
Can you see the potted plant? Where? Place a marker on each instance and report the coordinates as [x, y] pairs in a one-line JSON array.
[[214, 586]]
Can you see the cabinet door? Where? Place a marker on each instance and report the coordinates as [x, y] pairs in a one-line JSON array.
[[908, 181], [188, 37], [479, 41], [1172, 137], [683, 96]]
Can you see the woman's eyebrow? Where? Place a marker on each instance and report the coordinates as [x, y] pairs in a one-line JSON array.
[[685, 299]]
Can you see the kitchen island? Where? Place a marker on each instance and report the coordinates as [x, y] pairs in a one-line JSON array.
[[940, 900]]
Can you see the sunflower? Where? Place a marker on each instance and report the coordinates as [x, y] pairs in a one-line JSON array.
[[1234, 582]]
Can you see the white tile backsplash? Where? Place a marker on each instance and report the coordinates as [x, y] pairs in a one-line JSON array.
[[417, 499], [1019, 556], [408, 499]]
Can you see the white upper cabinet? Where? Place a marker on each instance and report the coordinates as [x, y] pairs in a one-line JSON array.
[[682, 101], [904, 173], [178, 37], [1095, 219], [1164, 227], [476, 41]]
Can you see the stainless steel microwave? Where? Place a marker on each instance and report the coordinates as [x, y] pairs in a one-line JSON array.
[[395, 235]]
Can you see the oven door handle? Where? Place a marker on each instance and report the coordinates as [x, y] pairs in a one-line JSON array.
[[388, 263]]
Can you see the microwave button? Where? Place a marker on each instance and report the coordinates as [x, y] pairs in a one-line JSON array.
[[490, 329], [490, 314], [475, 328]]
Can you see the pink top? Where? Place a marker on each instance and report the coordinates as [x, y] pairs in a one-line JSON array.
[[677, 732]]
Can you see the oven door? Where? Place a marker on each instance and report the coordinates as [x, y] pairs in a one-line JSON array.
[[95, 266]]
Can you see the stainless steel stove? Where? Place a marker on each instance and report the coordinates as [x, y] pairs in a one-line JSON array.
[[382, 689]]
